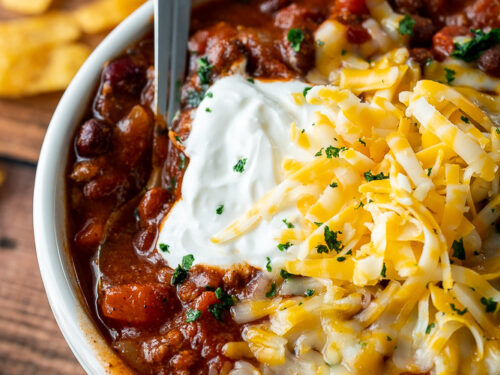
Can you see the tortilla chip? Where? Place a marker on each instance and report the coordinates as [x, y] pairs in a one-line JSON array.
[[103, 15], [27, 6], [42, 70]]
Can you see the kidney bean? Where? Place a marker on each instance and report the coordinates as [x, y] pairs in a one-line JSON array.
[[421, 56], [123, 75], [423, 31], [489, 62], [109, 183], [152, 204], [357, 34], [296, 16], [90, 234], [86, 170], [351, 6], [184, 360], [408, 6], [144, 241], [93, 138], [271, 6]]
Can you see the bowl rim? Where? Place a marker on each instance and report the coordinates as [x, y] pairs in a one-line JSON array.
[[49, 204]]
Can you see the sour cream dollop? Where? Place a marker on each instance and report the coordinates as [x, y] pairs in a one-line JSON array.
[[239, 121]]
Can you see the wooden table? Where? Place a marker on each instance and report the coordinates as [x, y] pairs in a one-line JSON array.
[[30, 341]]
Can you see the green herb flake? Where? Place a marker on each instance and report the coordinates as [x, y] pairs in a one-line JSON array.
[[295, 37], [272, 292], [429, 328], [164, 247], [361, 141], [285, 274], [217, 310], [209, 95], [449, 75], [288, 224], [187, 261], [383, 273], [474, 48], [208, 110], [458, 311], [490, 303], [465, 119], [334, 152], [389, 338], [192, 315], [268, 264], [343, 52], [322, 249], [369, 176], [334, 185], [309, 292], [194, 98], [240, 165], [406, 25], [349, 252], [332, 241], [179, 276], [220, 209], [204, 69], [284, 246], [306, 90], [341, 259], [251, 80], [429, 171], [318, 224], [182, 161], [497, 130], [360, 205], [319, 152], [458, 249]]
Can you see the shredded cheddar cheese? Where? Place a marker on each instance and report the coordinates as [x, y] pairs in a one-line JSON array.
[[398, 238]]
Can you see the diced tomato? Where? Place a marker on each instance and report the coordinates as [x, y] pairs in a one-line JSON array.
[[205, 300], [135, 303], [443, 44], [351, 6]]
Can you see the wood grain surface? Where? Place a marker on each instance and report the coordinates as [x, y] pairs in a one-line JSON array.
[[30, 341]]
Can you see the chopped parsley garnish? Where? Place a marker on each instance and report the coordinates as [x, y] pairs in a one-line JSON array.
[[406, 25], [306, 90], [240, 165], [226, 301], [181, 272], [178, 139], [334, 152], [458, 311], [449, 75], [319, 152], [187, 261], [497, 130], [343, 52], [272, 292], [383, 273], [173, 183], [389, 338], [309, 292], [295, 37], [164, 247], [349, 252], [288, 225], [340, 259], [458, 249], [360, 205], [208, 110], [369, 176], [429, 328], [194, 98], [220, 210], [268, 264], [284, 246], [182, 161], [473, 49], [318, 224], [429, 171], [204, 69], [334, 185], [285, 274], [251, 80], [361, 141], [465, 119], [490, 303], [332, 243], [209, 95], [192, 315]]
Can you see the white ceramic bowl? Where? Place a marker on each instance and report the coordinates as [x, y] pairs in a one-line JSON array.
[[49, 211]]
